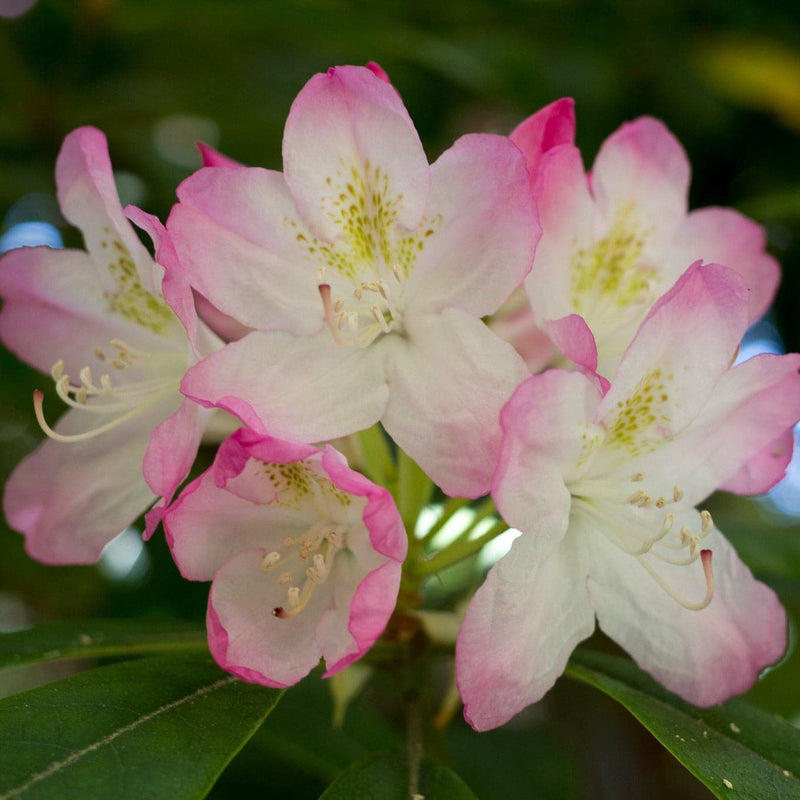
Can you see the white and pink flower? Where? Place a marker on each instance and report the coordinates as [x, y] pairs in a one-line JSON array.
[[364, 272], [603, 488], [304, 555], [615, 240], [99, 322]]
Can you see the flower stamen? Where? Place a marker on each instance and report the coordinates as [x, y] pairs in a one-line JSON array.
[[705, 557], [319, 546]]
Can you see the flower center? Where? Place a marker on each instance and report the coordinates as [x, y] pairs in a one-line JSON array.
[[119, 400], [304, 563], [638, 524], [357, 320]]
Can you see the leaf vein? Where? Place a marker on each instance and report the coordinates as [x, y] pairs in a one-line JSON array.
[[58, 766]]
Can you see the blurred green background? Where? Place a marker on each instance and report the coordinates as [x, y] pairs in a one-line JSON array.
[[157, 76]]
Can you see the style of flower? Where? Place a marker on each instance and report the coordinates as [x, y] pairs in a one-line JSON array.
[[304, 555], [365, 273], [604, 488], [99, 323], [614, 241]]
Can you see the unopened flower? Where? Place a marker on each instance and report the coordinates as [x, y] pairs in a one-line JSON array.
[[303, 553]]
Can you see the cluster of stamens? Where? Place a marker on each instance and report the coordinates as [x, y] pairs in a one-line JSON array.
[[375, 312], [665, 544], [313, 553], [102, 397]]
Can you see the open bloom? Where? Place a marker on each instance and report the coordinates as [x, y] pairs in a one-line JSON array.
[[303, 553], [614, 241], [99, 323], [365, 272], [604, 488]]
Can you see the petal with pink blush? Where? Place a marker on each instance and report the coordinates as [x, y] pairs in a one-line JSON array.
[[727, 237], [237, 231], [304, 557], [566, 214], [70, 500], [275, 652], [56, 294], [665, 378], [98, 322], [521, 627], [173, 447], [550, 126], [349, 134], [514, 323], [88, 198], [704, 656], [572, 336], [765, 469], [483, 229], [753, 408], [213, 158], [642, 165]]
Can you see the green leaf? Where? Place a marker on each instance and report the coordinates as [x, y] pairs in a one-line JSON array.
[[95, 638], [160, 727], [385, 776], [734, 749]]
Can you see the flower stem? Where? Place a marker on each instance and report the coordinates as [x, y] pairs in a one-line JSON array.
[[459, 550], [451, 508], [414, 490], [377, 455]]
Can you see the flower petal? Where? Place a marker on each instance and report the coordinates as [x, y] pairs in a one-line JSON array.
[[724, 236], [213, 158], [566, 214], [257, 645], [514, 323], [233, 234], [386, 533], [88, 199], [448, 382], [545, 430], [306, 388], [765, 469], [207, 525], [550, 126], [521, 626], [370, 608], [643, 166], [173, 447], [752, 406], [665, 378], [483, 228], [70, 500], [704, 656], [350, 125], [574, 339]]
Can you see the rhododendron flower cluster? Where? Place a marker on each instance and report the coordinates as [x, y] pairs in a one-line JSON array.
[[346, 298]]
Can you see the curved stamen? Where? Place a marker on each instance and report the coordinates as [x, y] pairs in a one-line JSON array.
[[38, 400], [131, 393], [622, 533], [705, 556]]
